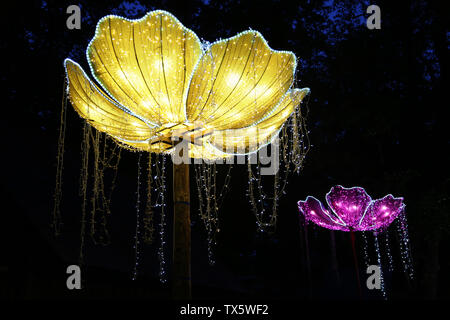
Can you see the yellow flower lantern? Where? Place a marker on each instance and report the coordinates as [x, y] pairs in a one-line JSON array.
[[157, 81], [158, 84]]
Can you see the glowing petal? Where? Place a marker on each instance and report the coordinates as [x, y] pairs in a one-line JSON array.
[[250, 139], [382, 212], [352, 209], [313, 211], [238, 81], [100, 111], [349, 204], [146, 64]]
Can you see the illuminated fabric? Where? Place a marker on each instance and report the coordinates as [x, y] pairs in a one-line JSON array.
[[351, 209], [157, 80]]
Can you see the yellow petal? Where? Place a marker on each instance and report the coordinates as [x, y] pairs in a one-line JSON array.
[[101, 112], [238, 80], [252, 138], [146, 64], [144, 145]]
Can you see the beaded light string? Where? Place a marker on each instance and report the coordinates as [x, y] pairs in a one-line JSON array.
[[160, 189], [257, 204], [137, 234], [209, 215], [105, 159], [225, 188], [148, 214], [365, 249], [95, 140], [85, 146], [401, 229], [377, 250], [387, 250], [209, 202], [84, 179], [405, 249], [299, 143], [293, 149], [56, 224]]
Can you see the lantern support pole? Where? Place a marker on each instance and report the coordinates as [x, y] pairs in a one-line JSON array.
[[181, 280]]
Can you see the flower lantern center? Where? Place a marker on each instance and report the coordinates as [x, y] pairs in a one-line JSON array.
[[171, 134]]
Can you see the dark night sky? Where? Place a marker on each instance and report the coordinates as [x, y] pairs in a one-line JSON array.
[[377, 119]]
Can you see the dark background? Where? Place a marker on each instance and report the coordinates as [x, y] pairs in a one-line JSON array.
[[377, 119]]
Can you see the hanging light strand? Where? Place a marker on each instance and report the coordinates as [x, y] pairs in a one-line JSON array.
[[99, 202], [84, 176], [225, 187], [105, 158], [377, 249], [405, 248], [388, 250], [205, 190], [148, 215], [301, 144], [111, 159], [209, 202], [137, 234], [292, 152], [365, 249], [56, 223], [160, 188]]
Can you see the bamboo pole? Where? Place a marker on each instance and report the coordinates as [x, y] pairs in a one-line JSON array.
[[181, 281]]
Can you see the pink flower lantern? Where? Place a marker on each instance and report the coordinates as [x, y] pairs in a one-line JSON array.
[[352, 209]]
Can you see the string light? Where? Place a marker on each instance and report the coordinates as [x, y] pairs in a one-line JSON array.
[[365, 249], [85, 146], [388, 251], [405, 250], [56, 224], [148, 215], [293, 149], [160, 188], [377, 250], [137, 234], [209, 201]]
